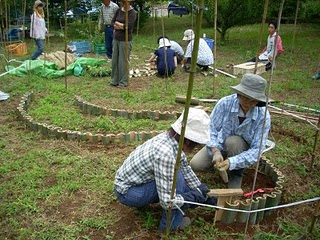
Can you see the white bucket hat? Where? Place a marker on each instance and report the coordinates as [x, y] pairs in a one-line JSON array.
[[188, 35], [197, 129], [252, 86], [164, 42], [37, 3]]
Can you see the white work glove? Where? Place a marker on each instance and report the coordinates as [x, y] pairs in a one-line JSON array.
[[223, 167], [217, 157]]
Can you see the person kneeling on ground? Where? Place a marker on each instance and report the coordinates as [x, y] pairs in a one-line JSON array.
[[267, 53], [147, 175], [237, 123], [165, 57], [205, 55], [176, 48]]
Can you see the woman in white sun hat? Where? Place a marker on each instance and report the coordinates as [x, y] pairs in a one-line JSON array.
[[236, 127], [146, 176], [165, 57]]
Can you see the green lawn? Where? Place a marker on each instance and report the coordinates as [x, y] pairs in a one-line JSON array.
[[56, 189]]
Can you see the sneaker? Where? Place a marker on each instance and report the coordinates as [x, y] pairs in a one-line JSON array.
[[112, 85], [185, 223]]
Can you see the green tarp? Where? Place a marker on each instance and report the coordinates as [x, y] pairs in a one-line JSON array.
[[49, 69]]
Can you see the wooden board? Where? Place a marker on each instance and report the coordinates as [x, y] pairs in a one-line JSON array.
[[248, 67]]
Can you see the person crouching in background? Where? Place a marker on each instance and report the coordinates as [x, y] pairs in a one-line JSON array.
[[165, 57]]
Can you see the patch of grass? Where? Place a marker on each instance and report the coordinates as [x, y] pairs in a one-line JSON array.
[[52, 189]]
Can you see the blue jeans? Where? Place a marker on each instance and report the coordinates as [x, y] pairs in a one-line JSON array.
[[108, 34], [145, 194], [38, 52]]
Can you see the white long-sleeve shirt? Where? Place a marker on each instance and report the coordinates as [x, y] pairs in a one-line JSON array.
[[38, 27]]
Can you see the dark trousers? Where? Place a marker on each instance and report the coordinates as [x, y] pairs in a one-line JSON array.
[[268, 64], [108, 34]]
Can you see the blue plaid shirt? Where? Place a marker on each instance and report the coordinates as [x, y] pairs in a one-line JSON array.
[[225, 122], [155, 160]]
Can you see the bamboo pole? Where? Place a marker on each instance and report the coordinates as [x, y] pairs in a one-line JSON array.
[[264, 16], [164, 49], [295, 25], [127, 45], [24, 6], [186, 111], [215, 47], [138, 24], [315, 216], [2, 23], [313, 155], [48, 23], [65, 45], [264, 123]]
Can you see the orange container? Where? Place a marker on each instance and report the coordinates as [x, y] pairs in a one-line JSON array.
[[17, 49]]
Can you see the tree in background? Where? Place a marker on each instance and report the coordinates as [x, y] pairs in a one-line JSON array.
[[240, 12]]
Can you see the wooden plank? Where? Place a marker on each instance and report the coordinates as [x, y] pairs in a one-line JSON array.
[[194, 101], [248, 67], [226, 192]]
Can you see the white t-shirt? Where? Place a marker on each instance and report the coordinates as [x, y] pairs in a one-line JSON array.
[[205, 55]]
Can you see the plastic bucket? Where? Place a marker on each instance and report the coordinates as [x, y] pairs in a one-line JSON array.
[[210, 42]]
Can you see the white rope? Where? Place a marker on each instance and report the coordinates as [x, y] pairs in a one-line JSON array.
[[294, 115], [175, 202], [23, 64]]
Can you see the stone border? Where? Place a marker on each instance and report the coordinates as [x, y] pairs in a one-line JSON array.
[[228, 217], [93, 109], [55, 132], [266, 200]]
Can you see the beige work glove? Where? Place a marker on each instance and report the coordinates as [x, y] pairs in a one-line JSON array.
[[223, 166], [217, 157]]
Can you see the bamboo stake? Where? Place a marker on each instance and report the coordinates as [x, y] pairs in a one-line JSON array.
[[138, 24], [315, 216], [264, 123], [264, 16], [127, 46], [164, 49], [186, 111], [65, 45], [24, 6], [315, 146], [215, 47], [48, 23], [295, 24]]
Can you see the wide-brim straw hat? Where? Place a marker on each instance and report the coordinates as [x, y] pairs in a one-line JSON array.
[[38, 3], [197, 129], [188, 35], [252, 86], [164, 42]]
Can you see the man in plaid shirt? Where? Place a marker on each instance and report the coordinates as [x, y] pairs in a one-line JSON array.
[[146, 176], [107, 11]]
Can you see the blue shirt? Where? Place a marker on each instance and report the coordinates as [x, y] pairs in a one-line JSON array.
[[225, 122], [161, 66]]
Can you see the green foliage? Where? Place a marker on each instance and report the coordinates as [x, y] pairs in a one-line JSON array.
[[310, 11]]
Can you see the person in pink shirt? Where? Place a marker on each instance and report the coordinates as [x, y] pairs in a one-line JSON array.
[[269, 52]]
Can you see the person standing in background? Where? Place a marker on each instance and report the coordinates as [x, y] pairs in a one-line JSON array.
[[120, 59], [38, 28], [107, 11]]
